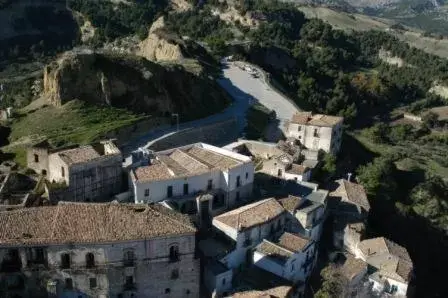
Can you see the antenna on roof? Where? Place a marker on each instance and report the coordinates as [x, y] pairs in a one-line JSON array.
[[349, 177]]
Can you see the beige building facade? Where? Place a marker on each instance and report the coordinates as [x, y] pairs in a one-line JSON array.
[[85, 173], [111, 251], [317, 131]]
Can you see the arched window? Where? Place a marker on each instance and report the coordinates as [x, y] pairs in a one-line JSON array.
[[90, 260], [174, 253]]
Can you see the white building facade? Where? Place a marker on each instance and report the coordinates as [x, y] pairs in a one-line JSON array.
[[193, 169], [317, 132], [292, 257]]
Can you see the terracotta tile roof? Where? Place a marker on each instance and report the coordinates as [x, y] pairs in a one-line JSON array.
[[89, 223], [276, 292], [307, 118], [188, 162], [297, 169], [212, 158], [251, 215], [79, 155], [274, 251], [352, 267], [174, 166], [291, 203], [153, 172], [387, 256], [351, 192], [301, 117], [185, 162], [293, 242]]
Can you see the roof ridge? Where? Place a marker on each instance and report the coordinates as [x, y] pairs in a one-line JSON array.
[[279, 246], [199, 160], [170, 218]]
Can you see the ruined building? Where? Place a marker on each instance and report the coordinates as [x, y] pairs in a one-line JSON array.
[[97, 250], [85, 173]]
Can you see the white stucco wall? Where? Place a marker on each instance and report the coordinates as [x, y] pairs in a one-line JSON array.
[[324, 140]]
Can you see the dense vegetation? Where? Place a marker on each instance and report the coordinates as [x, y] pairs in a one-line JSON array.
[[114, 20]]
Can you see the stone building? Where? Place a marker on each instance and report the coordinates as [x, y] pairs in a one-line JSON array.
[[181, 174], [390, 266], [85, 173], [317, 132], [97, 250], [349, 207]]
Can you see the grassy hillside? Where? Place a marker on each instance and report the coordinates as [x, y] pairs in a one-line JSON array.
[[358, 22]]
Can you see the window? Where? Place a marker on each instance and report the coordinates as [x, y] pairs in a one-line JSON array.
[[238, 181], [218, 201], [65, 261], [175, 274], [279, 172], [129, 283], [92, 282], [237, 195], [128, 258], [174, 253], [186, 189], [187, 292], [44, 172], [147, 192], [167, 290], [36, 158], [62, 171], [69, 283], [209, 184], [247, 175], [316, 134], [169, 191], [299, 128], [223, 281], [90, 260]]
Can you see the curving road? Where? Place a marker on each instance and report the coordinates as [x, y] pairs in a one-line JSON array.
[[245, 90]]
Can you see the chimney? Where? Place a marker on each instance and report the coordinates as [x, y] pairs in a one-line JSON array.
[[349, 177]]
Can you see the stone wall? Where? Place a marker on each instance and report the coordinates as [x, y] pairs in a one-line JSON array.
[[153, 274], [216, 134]]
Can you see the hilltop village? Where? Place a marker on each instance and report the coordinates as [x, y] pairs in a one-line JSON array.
[[195, 220]]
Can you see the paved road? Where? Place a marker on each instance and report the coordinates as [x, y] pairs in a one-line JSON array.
[[258, 91], [245, 90]]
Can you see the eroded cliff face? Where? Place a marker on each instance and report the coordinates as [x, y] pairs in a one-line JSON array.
[[133, 83], [161, 46]]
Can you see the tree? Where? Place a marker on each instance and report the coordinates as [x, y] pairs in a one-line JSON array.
[[378, 178], [333, 285], [430, 119], [379, 133]]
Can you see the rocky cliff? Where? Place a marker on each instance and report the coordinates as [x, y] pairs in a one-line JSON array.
[[133, 83]]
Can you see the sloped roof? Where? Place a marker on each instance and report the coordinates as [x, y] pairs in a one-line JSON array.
[[387, 256], [291, 203], [184, 162], [352, 267], [79, 155], [293, 242], [297, 169], [351, 192], [307, 118], [89, 223], [275, 252], [251, 215]]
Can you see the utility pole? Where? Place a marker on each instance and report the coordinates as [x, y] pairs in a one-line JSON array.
[[177, 119]]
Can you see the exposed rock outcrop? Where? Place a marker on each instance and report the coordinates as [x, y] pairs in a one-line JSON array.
[[161, 46], [133, 83]]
